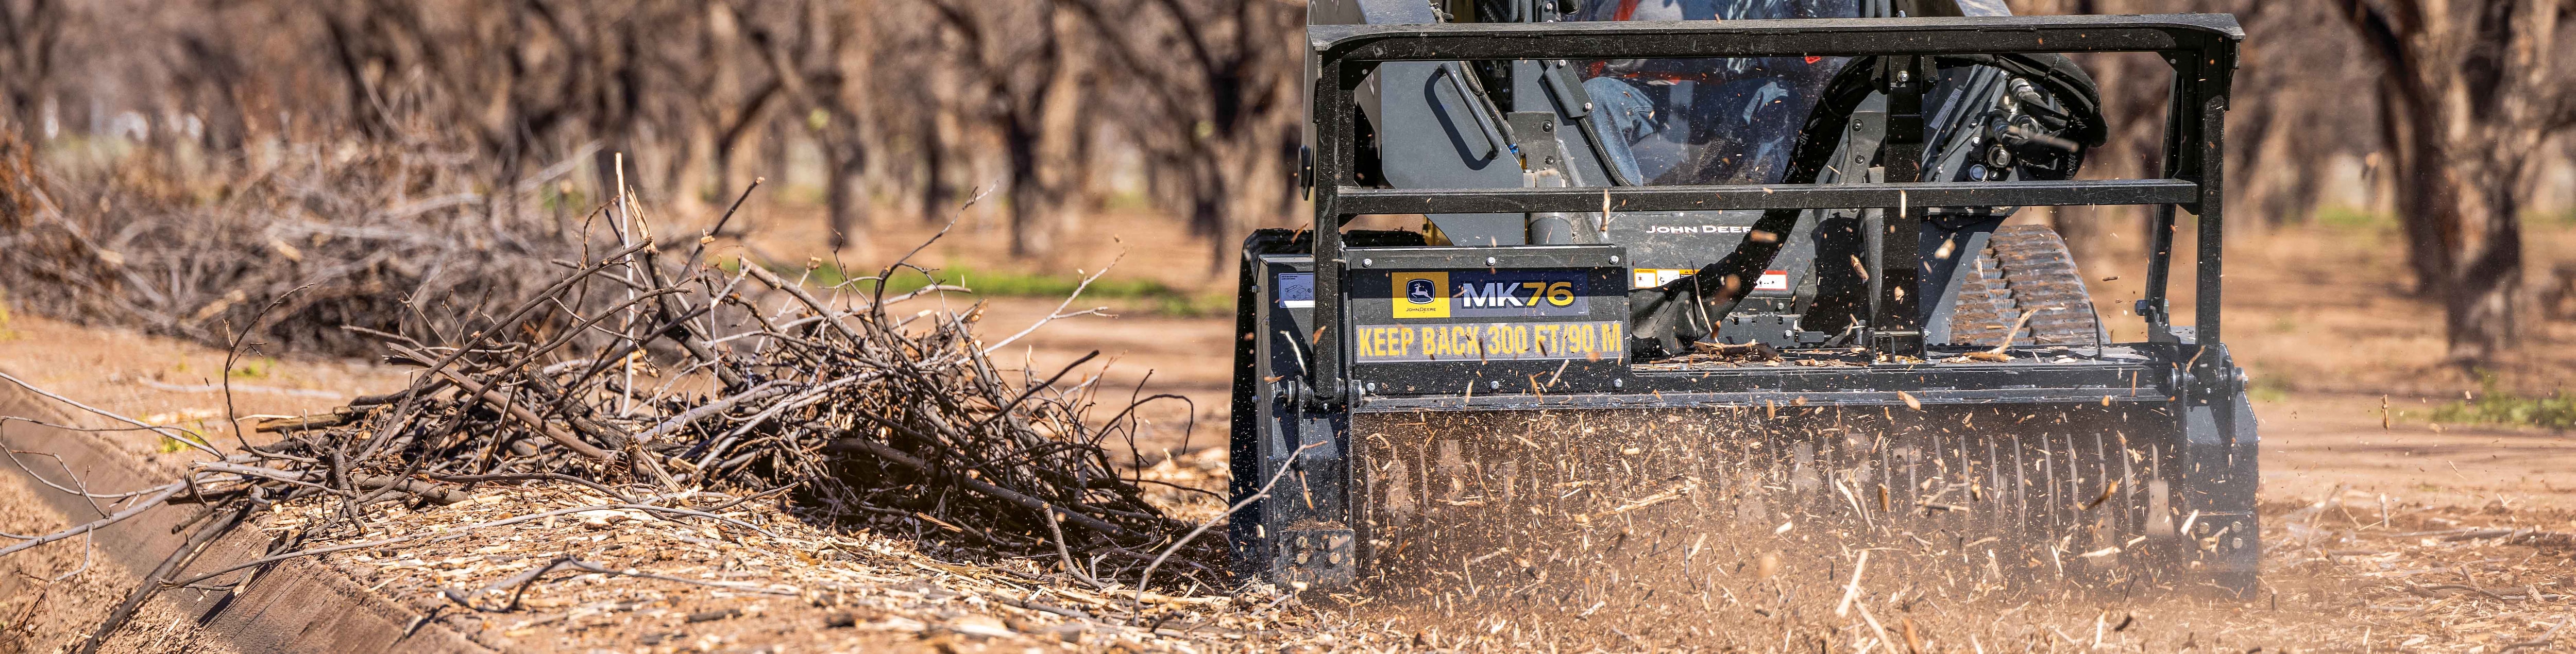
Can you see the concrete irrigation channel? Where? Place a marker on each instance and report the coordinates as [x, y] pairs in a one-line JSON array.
[[292, 606]]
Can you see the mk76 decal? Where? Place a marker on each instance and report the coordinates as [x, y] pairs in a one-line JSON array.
[[1477, 294]]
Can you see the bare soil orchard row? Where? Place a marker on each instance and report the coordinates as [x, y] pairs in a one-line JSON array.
[[2388, 534]]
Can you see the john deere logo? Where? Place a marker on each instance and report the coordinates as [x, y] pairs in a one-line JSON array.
[[1420, 291], [1422, 295]]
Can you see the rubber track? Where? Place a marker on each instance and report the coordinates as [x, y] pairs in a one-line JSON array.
[[2024, 268], [1982, 311]]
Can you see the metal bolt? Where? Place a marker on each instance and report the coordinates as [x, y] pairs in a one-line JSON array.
[[1364, 263], [1372, 387], [1618, 383], [1496, 385], [1489, 261], [1904, 76], [1614, 258]]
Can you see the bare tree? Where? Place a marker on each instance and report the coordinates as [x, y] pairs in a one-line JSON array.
[[811, 47], [2288, 120], [2470, 92], [1219, 114], [2291, 118], [1008, 56], [29, 32]]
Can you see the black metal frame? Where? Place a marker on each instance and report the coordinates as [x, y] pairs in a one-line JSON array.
[[2201, 48]]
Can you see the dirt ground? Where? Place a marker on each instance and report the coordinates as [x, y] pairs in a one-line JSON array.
[[2318, 315]]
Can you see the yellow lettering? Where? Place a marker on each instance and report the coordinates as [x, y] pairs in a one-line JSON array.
[[1499, 340]]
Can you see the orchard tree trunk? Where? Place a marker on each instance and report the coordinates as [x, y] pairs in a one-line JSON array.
[[2427, 209], [843, 194], [2480, 303], [933, 148], [29, 32], [1031, 233]]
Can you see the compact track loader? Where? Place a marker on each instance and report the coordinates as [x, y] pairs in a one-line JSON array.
[[1732, 269]]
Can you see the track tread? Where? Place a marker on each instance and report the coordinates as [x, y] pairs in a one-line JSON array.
[[2024, 267]]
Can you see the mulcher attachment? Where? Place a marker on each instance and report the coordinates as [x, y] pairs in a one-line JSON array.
[[1979, 498]]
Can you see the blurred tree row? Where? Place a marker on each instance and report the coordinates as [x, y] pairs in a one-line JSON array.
[[903, 102], [2455, 103], [913, 103]]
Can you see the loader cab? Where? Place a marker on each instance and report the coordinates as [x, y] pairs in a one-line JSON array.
[[1619, 122], [1704, 121]]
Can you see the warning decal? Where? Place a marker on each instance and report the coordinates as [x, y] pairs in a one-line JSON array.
[[1771, 280], [1502, 341]]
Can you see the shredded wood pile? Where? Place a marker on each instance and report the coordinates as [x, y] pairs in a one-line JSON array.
[[691, 394], [583, 578]]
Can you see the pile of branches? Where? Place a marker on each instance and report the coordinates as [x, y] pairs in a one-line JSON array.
[[694, 381], [368, 232]]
